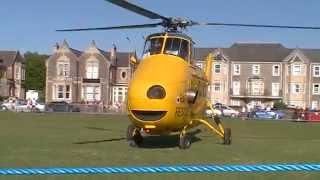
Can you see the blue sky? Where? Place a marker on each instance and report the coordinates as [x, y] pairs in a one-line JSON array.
[[29, 25]]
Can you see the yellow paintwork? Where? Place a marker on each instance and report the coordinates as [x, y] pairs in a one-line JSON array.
[[176, 76]]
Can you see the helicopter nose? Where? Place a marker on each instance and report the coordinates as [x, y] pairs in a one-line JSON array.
[[156, 92]]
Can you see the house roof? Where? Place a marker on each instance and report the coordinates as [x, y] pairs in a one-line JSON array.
[[312, 54], [76, 52], [201, 53], [8, 57], [104, 53], [257, 52], [123, 59]]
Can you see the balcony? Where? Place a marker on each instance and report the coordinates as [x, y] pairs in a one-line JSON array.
[[85, 80]]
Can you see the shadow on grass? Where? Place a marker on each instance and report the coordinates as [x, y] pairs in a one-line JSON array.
[[168, 141], [150, 142], [100, 141]]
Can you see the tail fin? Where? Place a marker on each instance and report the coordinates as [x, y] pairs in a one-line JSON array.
[[209, 61]]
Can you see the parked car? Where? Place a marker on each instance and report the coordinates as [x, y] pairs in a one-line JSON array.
[[61, 106], [226, 110], [21, 105], [262, 114], [209, 113]]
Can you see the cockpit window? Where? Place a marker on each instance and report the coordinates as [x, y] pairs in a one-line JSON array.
[[177, 47], [153, 46]]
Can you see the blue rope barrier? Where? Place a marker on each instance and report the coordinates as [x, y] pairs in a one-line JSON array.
[[258, 168]]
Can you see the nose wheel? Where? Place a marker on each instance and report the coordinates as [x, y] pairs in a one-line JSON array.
[[134, 136], [185, 141]]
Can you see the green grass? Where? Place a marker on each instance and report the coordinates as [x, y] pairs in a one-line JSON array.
[[73, 140]]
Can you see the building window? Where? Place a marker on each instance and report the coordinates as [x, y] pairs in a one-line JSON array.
[[296, 88], [297, 69], [236, 87], [92, 69], [235, 102], [17, 70], [119, 95], [275, 89], [63, 69], [217, 68], [217, 87], [62, 92], [93, 93], [255, 69], [315, 89], [255, 88], [275, 70], [316, 71], [314, 105], [236, 69]]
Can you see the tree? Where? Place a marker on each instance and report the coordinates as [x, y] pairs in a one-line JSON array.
[[36, 72], [279, 105]]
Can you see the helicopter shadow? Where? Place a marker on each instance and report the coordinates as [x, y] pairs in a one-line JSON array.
[[149, 142], [168, 141]]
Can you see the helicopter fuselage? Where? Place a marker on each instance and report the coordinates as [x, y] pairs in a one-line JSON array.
[[170, 110]]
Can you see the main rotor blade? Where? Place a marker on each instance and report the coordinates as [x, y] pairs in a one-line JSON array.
[[263, 26], [113, 27], [139, 10]]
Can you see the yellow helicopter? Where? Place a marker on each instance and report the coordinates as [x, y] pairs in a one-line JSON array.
[[168, 92]]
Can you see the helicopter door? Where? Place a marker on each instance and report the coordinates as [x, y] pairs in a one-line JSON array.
[[177, 47]]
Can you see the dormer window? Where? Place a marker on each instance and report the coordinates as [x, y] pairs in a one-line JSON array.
[[92, 70], [63, 69]]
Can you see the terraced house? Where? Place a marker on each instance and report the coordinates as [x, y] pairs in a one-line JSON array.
[[89, 77], [262, 73], [12, 74]]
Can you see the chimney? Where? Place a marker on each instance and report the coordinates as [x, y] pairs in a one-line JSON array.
[[56, 47], [113, 53]]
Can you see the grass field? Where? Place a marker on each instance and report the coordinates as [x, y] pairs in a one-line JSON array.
[[73, 140]]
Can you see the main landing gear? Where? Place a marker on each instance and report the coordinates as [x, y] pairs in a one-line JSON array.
[[218, 129]]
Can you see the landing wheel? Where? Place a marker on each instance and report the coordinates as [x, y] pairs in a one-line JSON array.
[[134, 136], [185, 142], [227, 136]]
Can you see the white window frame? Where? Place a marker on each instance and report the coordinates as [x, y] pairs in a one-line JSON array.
[[215, 68], [56, 91], [314, 72], [297, 69], [235, 102], [257, 88], [256, 69], [214, 86], [17, 72], [275, 91], [94, 91], [314, 105], [236, 69], [315, 91], [294, 88], [274, 68], [63, 71], [92, 69], [119, 94], [236, 88]]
